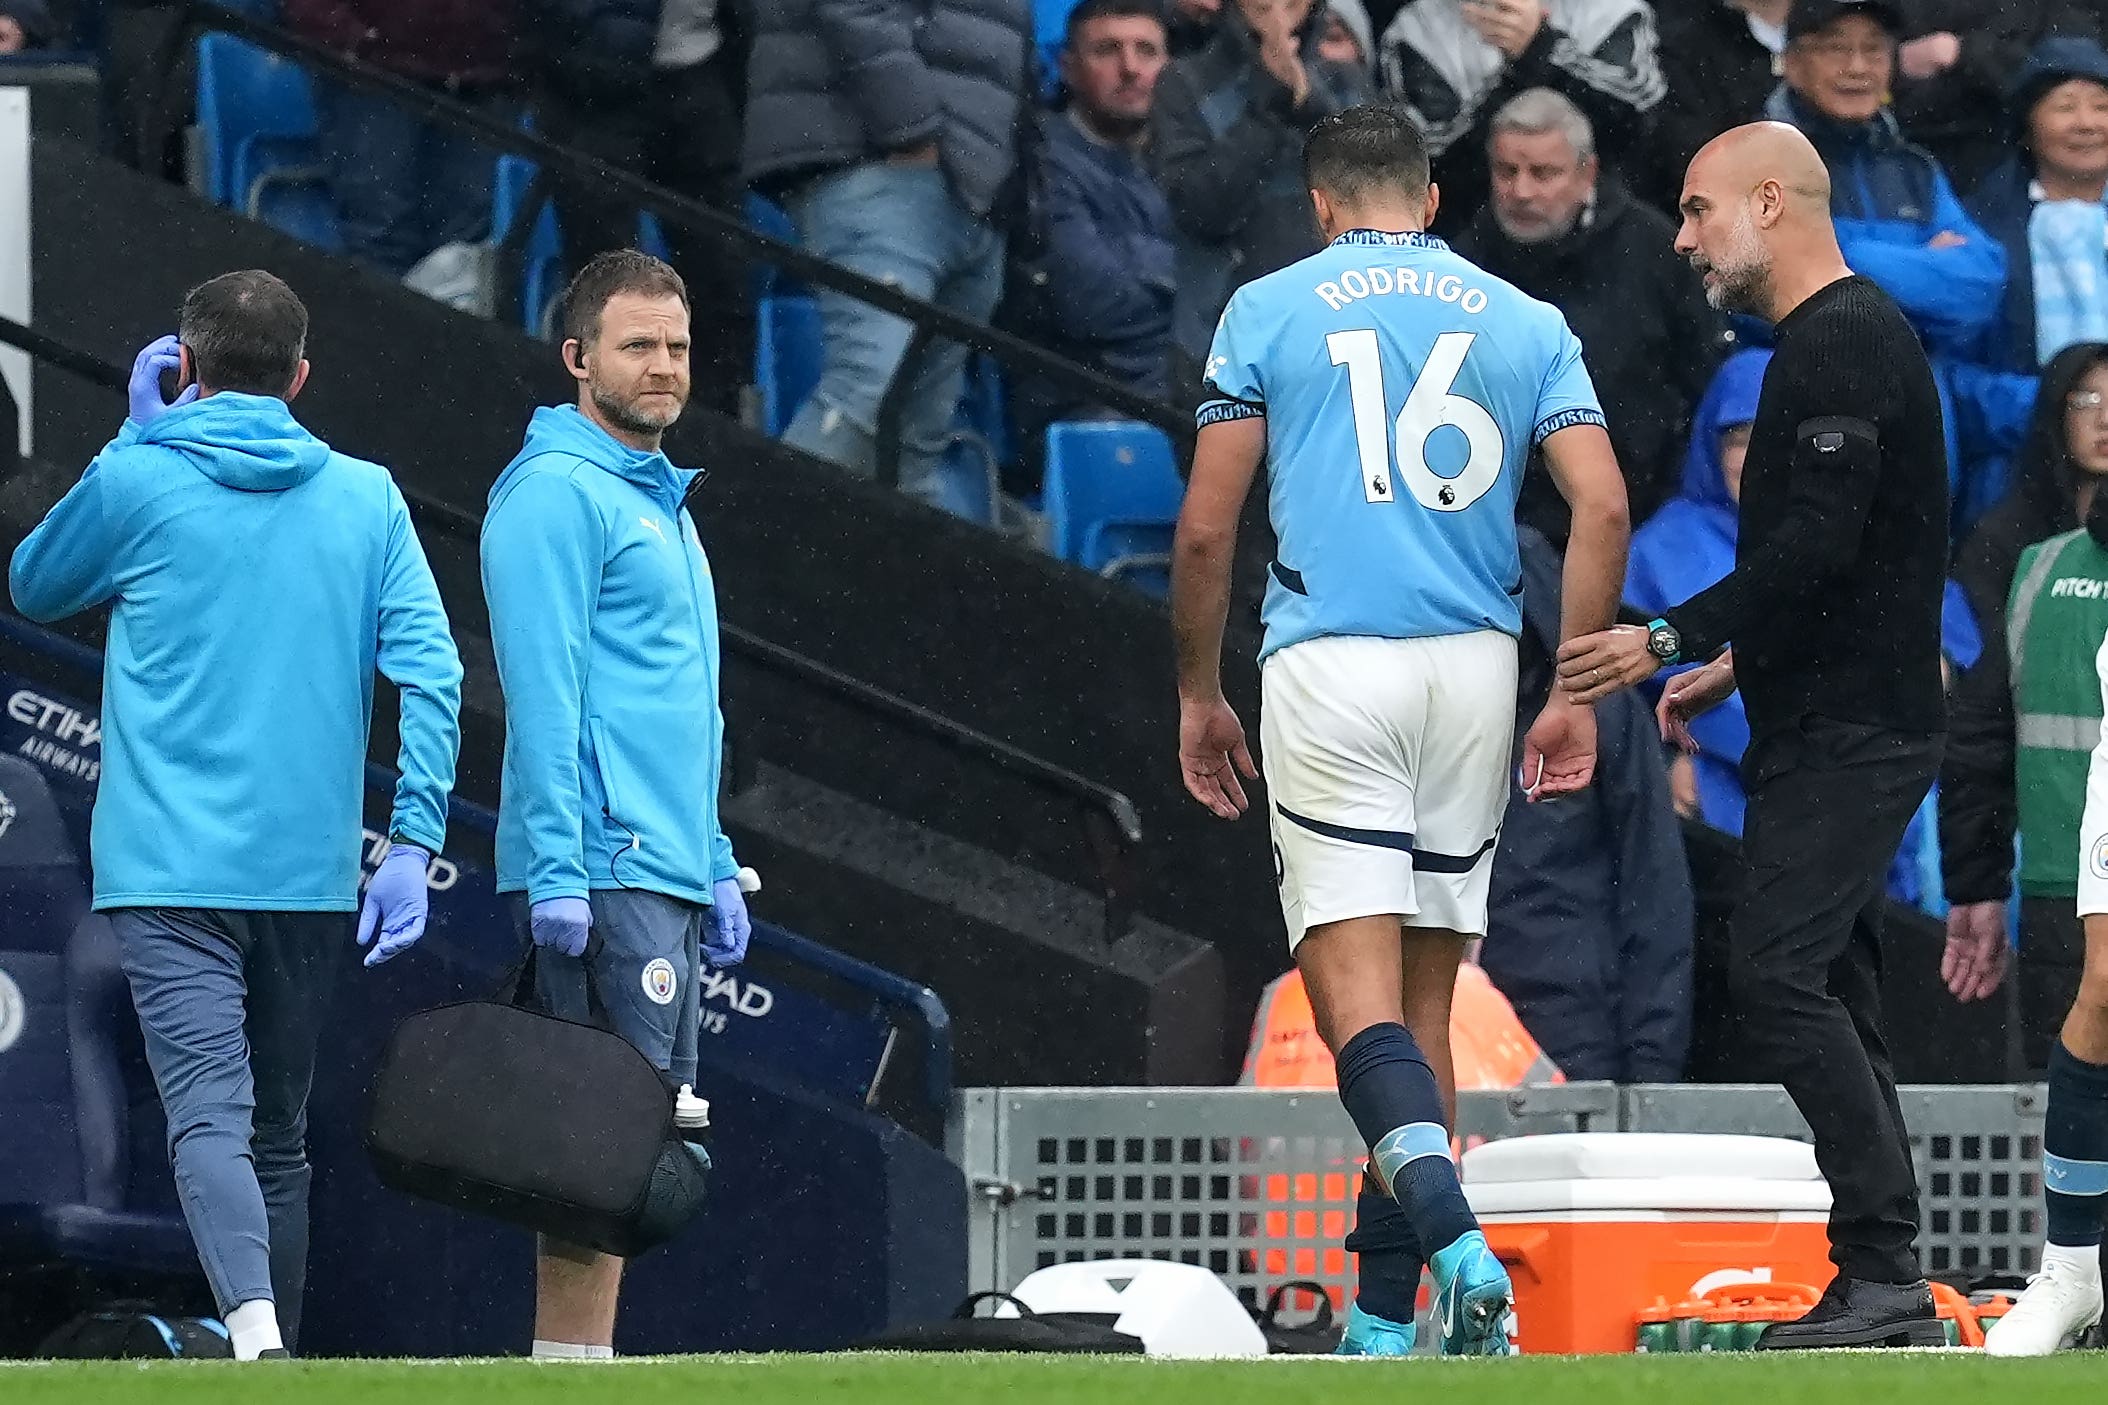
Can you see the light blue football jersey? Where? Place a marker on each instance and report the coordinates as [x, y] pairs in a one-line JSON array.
[[1403, 389]]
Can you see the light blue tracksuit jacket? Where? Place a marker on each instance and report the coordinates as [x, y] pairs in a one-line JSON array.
[[604, 619], [256, 580]]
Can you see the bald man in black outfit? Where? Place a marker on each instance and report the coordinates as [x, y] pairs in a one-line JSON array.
[[1833, 610]]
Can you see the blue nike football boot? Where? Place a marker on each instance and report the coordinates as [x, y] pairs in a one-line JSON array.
[[1473, 1299]]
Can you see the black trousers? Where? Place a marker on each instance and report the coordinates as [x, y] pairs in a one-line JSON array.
[[1828, 804], [681, 130], [2052, 958]]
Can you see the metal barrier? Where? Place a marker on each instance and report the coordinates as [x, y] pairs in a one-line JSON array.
[[1978, 1150], [1258, 1185]]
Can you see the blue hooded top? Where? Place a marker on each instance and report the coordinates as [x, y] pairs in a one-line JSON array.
[[1690, 544], [256, 580], [604, 619]]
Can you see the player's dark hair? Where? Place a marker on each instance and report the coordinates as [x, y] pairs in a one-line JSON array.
[[608, 275], [1090, 10], [246, 331], [1367, 150]]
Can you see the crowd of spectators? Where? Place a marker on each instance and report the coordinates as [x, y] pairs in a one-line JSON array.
[[1104, 198]]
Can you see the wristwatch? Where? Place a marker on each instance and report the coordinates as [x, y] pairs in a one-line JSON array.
[[1663, 641]]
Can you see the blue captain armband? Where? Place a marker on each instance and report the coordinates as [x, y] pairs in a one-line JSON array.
[[1223, 411], [1567, 419]]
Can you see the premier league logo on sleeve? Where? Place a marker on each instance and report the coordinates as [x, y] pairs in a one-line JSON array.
[[2097, 857]]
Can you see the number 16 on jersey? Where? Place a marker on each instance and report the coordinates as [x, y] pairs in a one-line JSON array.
[[1429, 405]]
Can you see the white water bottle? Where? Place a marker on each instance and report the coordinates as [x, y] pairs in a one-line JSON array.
[[691, 1116]]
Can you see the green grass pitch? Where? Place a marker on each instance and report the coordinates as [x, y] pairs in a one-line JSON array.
[[1921, 1378]]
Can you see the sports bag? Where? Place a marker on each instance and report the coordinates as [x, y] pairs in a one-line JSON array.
[[133, 1331], [498, 1109]]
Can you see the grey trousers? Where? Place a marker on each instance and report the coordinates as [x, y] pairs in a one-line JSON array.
[[232, 1005], [647, 973]]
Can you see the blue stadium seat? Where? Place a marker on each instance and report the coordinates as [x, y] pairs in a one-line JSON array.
[[984, 406], [542, 257], [256, 115], [1050, 29], [786, 357], [1111, 498], [95, 1190], [769, 218], [42, 896]]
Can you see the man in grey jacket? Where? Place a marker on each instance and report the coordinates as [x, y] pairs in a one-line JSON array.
[[1229, 128], [889, 129]]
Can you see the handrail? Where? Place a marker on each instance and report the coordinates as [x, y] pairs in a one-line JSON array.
[[898, 996], [86, 365], [692, 214], [1112, 825]]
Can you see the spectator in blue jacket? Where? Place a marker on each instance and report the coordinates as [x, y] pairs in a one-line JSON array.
[[1899, 221], [256, 581], [1098, 285], [1690, 544], [2048, 206], [889, 128], [1590, 921]]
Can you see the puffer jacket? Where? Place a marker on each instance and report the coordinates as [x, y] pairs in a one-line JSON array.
[[833, 83]]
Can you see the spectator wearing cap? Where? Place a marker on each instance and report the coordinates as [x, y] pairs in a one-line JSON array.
[[1953, 69], [1457, 62], [405, 186], [1564, 232], [1721, 59], [25, 26], [1228, 142], [653, 87], [888, 128], [2045, 206], [1098, 287], [1898, 219]]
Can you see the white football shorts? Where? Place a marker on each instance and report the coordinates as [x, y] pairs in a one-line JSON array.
[[1386, 766], [2093, 825]]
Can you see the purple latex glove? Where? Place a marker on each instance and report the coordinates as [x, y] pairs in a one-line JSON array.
[[725, 944], [561, 923], [144, 389], [396, 904]]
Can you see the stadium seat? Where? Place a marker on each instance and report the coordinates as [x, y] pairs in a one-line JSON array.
[[256, 123], [542, 256], [984, 406], [1050, 30], [42, 895], [95, 1190], [769, 218], [1111, 499], [786, 357]]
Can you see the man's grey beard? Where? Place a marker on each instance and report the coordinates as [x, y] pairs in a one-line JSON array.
[[1746, 289], [1746, 286], [625, 415]]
